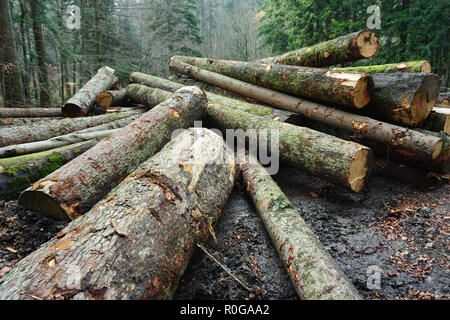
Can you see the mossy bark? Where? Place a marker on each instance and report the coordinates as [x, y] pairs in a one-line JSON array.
[[30, 112], [19, 173], [347, 48], [146, 96], [137, 242], [424, 146], [23, 121], [81, 103], [343, 88], [313, 272], [410, 66], [72, 190], [112, 98], [437, 122], [45, 130]]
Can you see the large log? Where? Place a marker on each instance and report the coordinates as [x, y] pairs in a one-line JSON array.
[[343, 88], [112, 98], [410, 66], [136, 243], [146, 96], [19, 173], [81, 103], [437, 122], [341, 162], [23, 121], [72, 190], [30, 112], [404, 98], [313, 272], [348, 48], [46, 130], [422, 146]]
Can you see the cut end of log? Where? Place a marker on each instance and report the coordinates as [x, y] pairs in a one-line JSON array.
[[437, 149], [447, 125], [426, 67], [363, 91], [40, 202], [104, 100], [368, 43], [71, 110], [359, 169]]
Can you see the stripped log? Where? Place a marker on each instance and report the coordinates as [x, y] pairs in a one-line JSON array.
[[313, 272], [437, 122], [81, 103], [348, 48], [30, 112], [23, 121], [73, 189], [350, 89], [410, 66], [112, 98], [423, 146], [19, 173], [46, 130], [136, 243]]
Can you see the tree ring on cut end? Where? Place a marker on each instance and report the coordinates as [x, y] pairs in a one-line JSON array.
[[359, 169], [41, 202], [367, 42]]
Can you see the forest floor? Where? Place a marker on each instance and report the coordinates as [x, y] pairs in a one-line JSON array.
[[400, 229]]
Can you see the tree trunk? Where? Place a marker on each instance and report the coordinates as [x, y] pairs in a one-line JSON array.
[[112, 98], [338, 87], [46, 130], [423, 146], [23, 121], [348, 48], [404, 98], [341, 162], [30, 112], [137, 242], [81, 103], [73, 189], [313, 272], [410, 66], [437, 122], [9, 63], [19, 173]]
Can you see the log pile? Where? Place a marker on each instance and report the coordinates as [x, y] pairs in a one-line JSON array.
[[142, 189]]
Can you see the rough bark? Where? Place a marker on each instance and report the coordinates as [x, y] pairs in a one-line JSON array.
[[423, 146], [73, 189], [23, 121], [404, 98], [348, 48], [136, 243], [46, 130], [112, 98], [19, 173], [341, 162], [81, 103], [437, 122], [29, 112], [410, 66], [146, 96], [343, 88], [313, 272]]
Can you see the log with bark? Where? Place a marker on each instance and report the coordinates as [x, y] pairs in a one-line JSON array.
[[137, 242], [313, 272], [348, 48], [81, 103], [72, 190], [424, 147], [112, 98], [23, 121], [146, 96], [19, 173], [30, 112], [410, 66], [437, 122], [352, 89], [46, 130]]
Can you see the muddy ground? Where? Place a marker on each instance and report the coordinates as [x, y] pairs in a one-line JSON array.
[[398, 228]]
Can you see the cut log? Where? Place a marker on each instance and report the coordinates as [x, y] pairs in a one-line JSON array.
[[441, 110], [313, 272], [146, 96], [112, 98], [437, 122], [19, 173], [410, 66], [404, 98], [23, 121], [348, 48], [338, 161], [30, 112], [46, 130], [136, 243], [73, 189], [423, 146], [343, 88], [81, 103]]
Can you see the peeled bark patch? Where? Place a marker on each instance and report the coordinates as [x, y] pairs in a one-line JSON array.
[[410, 66], [137, 242], [313, 272], [76, 187], [30, 112], [81, 103], [344, 88], [348, 48]]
